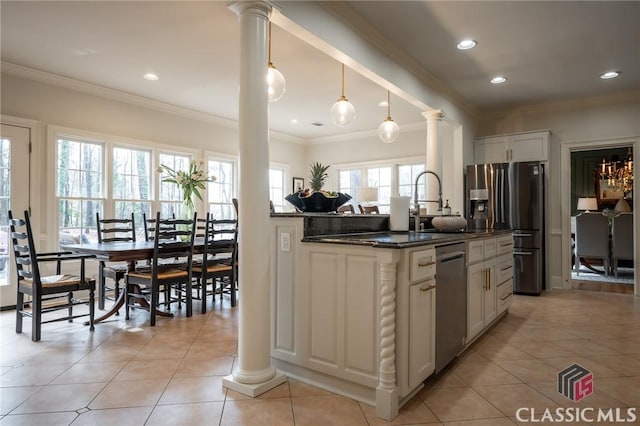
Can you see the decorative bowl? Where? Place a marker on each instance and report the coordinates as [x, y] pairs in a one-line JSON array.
[[317, 202], [451, 223]]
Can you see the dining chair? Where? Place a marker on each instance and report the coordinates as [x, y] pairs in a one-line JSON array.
[[172, 250], [621, 240], [113, 230], [48, 293], [592, 239], [368, 209], [219, 262], [347, 208]]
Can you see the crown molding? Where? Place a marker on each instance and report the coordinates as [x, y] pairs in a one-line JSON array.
[[128, 98], [346, 137], [361, 26], [565, 105]]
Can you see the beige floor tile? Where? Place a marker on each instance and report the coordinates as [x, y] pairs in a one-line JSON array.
[[502, 421], [148, 370], [622, 346], [47, 419], [90, 373], [445, 379], [327, 410], [585, 347], [624, 389], [530, 370], [413, 412], [597, 399], [31, 376], [450, 404], [497, 349], [10, 398], [542, 349], [68, 355], [208, 350], [280, 391], [509, 398], [60, 398], [216, 366], [627, 364], [193, 389], [135, 416], [129, 394], [112, 352], [299, 389], [598, 370], [201, 414], [258, 412], [484, 373]]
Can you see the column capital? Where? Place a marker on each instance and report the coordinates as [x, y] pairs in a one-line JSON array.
[[434, 114], [261, 8]]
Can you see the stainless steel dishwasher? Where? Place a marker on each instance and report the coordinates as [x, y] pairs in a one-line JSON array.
[[451, 303]]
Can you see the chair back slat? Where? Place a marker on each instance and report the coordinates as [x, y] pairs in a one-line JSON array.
[[116, 229], [173, 238], [24, 250], [221, 238]]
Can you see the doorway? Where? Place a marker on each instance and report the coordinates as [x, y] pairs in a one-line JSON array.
[[570, 151], [14, 195]]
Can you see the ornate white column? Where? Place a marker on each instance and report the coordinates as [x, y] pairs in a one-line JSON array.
[[434, 156], [387, 391], [253, 373]]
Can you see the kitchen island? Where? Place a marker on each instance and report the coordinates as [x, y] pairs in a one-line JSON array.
[[354, 312]]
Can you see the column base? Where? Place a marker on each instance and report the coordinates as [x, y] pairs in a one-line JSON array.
[[254, 389]]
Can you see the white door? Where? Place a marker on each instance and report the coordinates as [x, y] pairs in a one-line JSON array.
[[14, 195]]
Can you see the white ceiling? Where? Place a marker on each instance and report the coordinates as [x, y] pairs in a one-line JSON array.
[[548, 51]]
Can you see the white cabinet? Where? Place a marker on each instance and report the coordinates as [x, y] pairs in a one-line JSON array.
[[422, 331], [529, 146], [476, 275]]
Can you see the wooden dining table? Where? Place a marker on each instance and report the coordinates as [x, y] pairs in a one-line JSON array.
[[129, 252]]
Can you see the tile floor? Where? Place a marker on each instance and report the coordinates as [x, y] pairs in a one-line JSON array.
[[126, 373]]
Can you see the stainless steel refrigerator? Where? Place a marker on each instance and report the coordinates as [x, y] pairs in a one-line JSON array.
[[511, 196]]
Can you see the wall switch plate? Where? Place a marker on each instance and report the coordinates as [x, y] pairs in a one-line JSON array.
[[285, 242]]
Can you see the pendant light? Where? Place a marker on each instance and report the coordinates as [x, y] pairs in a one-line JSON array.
[[275, 79], [343, 111], [389, 129]]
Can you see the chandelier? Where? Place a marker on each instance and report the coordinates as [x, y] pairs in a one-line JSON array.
[[618, 177]]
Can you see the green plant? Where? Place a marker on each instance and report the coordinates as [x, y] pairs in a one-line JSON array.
[[317, 176], [191, 181]]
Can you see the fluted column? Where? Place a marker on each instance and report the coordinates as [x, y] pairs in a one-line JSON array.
[[434, 156], [253, 373]]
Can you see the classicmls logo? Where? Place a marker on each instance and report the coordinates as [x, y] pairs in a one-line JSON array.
[[575, 382]]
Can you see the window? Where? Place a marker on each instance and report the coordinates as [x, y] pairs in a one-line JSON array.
[[221, 191], [79, 188], [171, 196], [380, 177], [348, 183], [407, 174], [131, 191], [276, 188]]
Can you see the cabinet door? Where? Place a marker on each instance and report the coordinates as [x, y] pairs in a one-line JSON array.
[[490, 150], [422, 331], [490, 301], [476, 276], [528, 147]]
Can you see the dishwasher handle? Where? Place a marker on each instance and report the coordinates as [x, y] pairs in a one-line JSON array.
[[451, 256]]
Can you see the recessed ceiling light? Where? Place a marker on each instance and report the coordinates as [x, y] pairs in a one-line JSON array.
[[609, 75], [498, 80], [151, 76], [317, 124], [294, 121], [467, 44], [383, 104]]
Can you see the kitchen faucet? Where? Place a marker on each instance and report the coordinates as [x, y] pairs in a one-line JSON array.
[[417, 202]]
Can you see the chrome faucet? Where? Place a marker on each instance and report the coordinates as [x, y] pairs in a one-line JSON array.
[[417, 202]]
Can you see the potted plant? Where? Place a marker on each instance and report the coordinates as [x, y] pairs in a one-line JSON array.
[[316, 199]]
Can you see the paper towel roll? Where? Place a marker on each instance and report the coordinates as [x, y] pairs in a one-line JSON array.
[[399, 214]]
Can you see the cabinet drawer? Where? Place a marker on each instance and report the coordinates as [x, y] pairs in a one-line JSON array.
[[505, 295], [422, 264], [490, 248], [504, 268], [475, 251], [505, 244]]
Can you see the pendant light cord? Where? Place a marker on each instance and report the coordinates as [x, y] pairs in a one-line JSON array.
[[269, 61], [388, 105], [343, 80]]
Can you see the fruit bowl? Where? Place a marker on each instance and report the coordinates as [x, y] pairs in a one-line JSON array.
[[317, 202], [451, 223]]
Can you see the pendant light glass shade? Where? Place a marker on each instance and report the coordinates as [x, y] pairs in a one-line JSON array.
[[389, 129], [275, 80], [343, 111]]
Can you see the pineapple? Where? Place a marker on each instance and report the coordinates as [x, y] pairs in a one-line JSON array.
[[317, 176]]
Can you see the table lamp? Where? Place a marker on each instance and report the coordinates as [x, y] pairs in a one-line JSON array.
[[367, 194], [587, 204]]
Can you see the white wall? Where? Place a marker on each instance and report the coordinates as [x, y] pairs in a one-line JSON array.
[[596, 119]]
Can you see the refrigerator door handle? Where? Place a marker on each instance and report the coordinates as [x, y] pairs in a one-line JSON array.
[[522, 253], [503, 219], [522, 235]]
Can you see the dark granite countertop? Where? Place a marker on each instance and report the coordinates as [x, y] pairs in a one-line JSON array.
[[401, 240]]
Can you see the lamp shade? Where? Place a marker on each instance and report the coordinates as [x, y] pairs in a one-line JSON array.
[[587, 204], [622, 206], [368, 193]]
